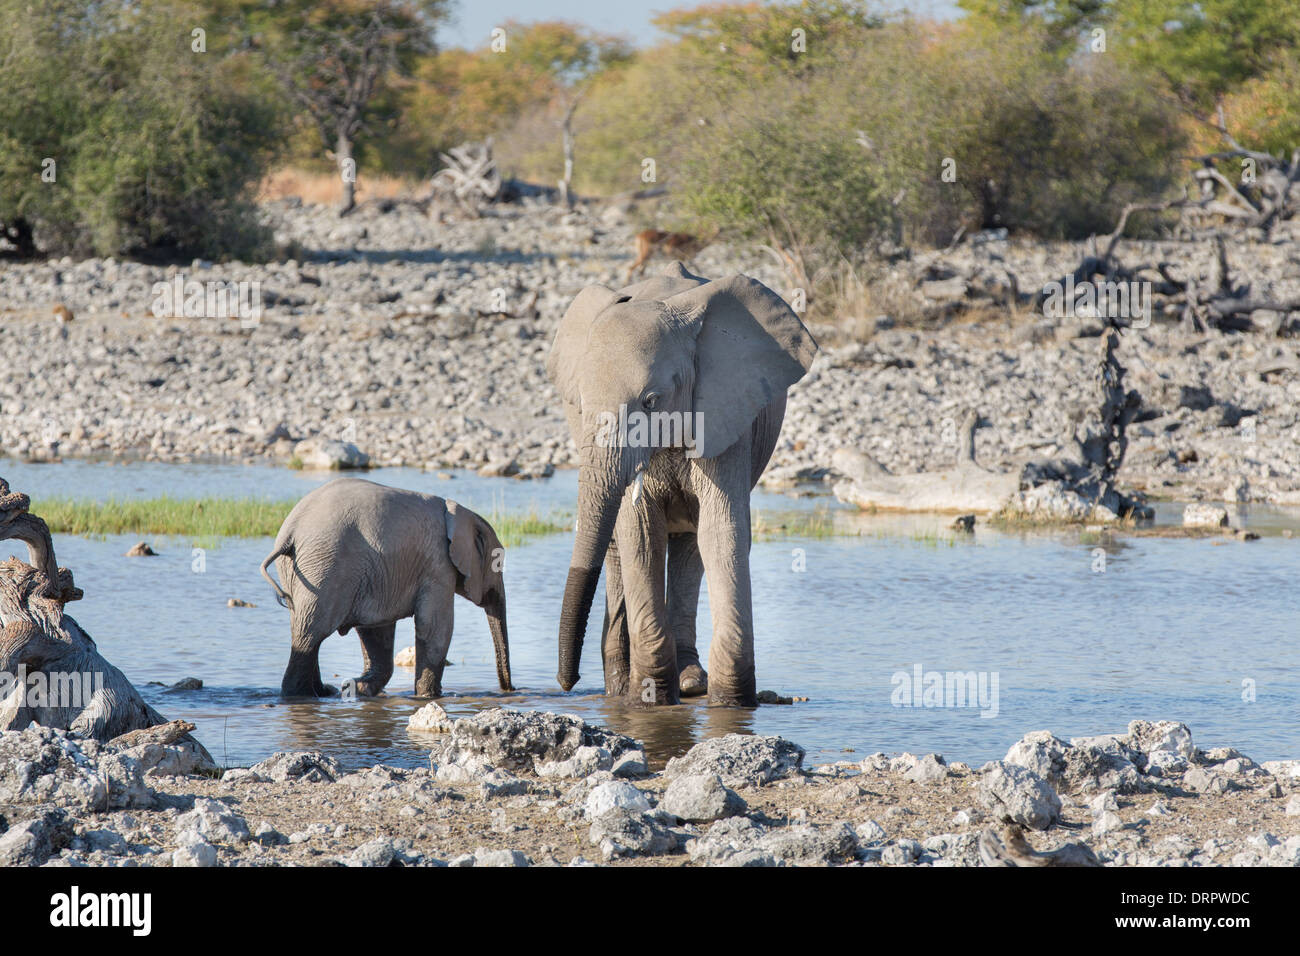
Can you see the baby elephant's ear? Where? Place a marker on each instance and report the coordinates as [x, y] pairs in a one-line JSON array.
[[570, 343], [749, 349], [469, 545]]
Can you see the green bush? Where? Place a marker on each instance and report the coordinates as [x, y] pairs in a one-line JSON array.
[[850, 150], [156, 147], [1040, 144], [778, 167]]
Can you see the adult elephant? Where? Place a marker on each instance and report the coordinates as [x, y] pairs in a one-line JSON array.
[[675, 391]]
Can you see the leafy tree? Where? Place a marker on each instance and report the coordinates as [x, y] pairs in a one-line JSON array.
[[336, 57], [751, 39], [1265, 112], [536, 76], [1205, 48], [1061, 24]]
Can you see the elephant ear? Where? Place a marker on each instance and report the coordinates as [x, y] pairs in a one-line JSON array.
[[570, 343], [470, 549], [750, 348]]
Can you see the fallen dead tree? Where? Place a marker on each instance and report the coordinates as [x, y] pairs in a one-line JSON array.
[[56, 676], [1082, 487], [470, 179], [1212, 297], [469, 174], [1219, 300], [1262, 198], [967, 486]]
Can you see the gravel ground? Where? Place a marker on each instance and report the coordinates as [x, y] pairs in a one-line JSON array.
[[506, 788], [390, 332]]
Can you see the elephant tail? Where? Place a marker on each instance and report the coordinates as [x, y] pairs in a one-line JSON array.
[[281, 596]]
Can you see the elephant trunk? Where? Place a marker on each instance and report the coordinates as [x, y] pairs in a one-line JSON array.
[[496, 615], [600, 491]]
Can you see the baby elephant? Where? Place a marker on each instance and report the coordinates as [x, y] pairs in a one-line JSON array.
[[356, 554]]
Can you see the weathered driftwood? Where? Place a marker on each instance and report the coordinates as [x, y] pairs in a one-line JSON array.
[[1220, 302], [1012, 849], [1085, 487], [1064, 489], [1263, 195], [53, 673], [469, 174], [967, 486]]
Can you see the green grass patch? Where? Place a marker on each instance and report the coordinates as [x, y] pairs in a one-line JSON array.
[[193, 517], [818, 523], [212, 518], [824, 523], [513, 529]]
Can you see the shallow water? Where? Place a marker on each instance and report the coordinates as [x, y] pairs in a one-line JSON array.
[[1171, 628]]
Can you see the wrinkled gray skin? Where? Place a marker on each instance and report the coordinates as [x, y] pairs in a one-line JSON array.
[[354, 554], [661, 514]]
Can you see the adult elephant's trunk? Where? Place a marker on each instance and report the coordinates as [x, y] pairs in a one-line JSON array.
[[496, 615], [601, 481]]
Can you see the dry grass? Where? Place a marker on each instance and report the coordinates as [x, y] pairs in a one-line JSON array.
[[326, 189], [849, 297]]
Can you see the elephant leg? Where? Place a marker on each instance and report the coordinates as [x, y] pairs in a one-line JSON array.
[[433, 623], [724, 537], [614, 633], [685, 571], [302, 675], [642, 545], [377, 658]]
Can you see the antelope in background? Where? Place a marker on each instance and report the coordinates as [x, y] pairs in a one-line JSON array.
[[681, 246]]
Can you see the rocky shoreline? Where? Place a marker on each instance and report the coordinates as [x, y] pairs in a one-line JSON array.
[[423, 344], [505, 788]]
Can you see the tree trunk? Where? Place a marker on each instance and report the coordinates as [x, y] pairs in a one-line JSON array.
[[566, 128], [347, 173]]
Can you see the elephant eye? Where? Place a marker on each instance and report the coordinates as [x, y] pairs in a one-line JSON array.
[[650, 401]]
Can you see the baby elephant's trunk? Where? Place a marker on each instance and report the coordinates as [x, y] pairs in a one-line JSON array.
[[496, 615]]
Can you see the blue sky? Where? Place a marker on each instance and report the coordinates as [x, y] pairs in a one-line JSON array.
[[474, 19]]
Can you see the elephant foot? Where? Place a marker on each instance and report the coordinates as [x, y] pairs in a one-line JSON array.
[[647, 692], [429, 691], [308, 690], [362, 687], [616, 685], [722, 699], [694, 681]]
